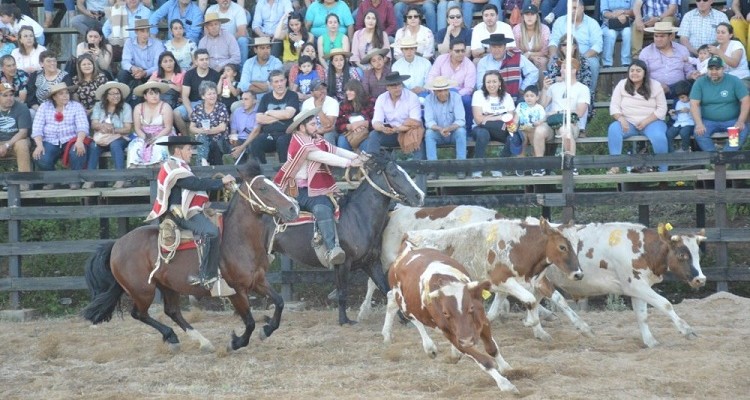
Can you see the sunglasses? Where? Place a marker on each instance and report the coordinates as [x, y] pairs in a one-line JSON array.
[[455, 16], [702, 1], [412, 16]]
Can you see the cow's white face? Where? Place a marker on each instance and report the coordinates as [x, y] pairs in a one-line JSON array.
[[458, 311], [684, 259]]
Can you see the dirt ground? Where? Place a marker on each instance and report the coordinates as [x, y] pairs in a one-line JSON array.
[[311, 357]]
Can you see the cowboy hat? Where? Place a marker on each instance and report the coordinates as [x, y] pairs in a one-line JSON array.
[[366, 59], [60, 86], [124, 89], [140, 24], [302, 117], [407, 43], [261, 41], [178, 141], [5, 86], [440, 83], [497, 39], [211, 17], [140, 89], [395, 78], [662, 27], [336, 52]]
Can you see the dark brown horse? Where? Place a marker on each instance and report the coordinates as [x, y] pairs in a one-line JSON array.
[[126, 265], [364, 214]]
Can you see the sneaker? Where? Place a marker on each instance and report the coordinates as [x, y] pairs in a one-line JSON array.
[[461, 175], [520, 172], [476, 175], [48, 186], [613, 171], [88, 185], [538, 172], [550, 18], [496, 174]]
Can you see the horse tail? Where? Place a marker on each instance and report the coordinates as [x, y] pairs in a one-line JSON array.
[[105, 291]]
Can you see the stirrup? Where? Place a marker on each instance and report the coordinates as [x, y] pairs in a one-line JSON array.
[[336, 256], [206, 283]]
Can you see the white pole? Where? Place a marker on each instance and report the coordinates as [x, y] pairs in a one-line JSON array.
[[569, 17]]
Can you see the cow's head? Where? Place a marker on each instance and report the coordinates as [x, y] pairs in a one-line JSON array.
[[458, 310], [560, 251], [683, 259]]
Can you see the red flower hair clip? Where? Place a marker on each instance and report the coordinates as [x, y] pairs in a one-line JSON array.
[[58, 116]]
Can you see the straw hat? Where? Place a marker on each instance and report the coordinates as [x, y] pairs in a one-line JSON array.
[[301, 117], [440, 83], [366, 59], [662, 27], [178, 141], [140, 24], [61, 86], [407, 43], [211, 17], [336, 52], [260, 41], [124, 89], [139, 90]]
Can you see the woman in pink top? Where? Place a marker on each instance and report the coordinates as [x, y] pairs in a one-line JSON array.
[[367, 39], [638, 106]]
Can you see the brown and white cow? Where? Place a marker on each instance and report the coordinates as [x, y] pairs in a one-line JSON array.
[[433, 290], [404, 219], [510, 253], [627, 259]]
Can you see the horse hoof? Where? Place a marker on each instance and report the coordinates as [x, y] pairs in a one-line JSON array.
[[262, 335], [173, 347], [208, 348], [347, 322]]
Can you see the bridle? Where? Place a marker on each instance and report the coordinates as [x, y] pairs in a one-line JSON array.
[[391, 193], [256, 203]]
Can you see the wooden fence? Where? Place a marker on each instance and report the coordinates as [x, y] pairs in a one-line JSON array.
[[701, 179]]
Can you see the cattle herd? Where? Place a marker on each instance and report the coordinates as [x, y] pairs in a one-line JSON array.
[[443, 262]]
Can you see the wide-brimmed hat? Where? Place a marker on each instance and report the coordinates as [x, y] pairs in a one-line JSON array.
[[366, 59], [178, 141], [211, 17], [260, 41], [140, 24], [124, 89], [140, 89], [530, 9], [440, 83], [662, 27], [407, 43], [395, 78], [497, 39], [336, 52], [301, 117], [61, 86], [5, 86]]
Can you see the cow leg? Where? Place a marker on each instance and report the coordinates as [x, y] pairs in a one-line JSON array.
[[427, 344], [500, 307], [455, 354], [641, 315], [666, 308], [366, 308], [491, 347], [560, 302], [391, 309], [490, 366], [515, 289]]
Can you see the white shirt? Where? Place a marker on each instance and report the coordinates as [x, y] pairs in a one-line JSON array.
[[236, 15], [741, 70], [330, 107], [579, 93], [492, 104], [480, 33], [417, 70], [25, 20]]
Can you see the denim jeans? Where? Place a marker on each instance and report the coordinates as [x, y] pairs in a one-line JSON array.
[[116, 148], [656, 132], [707, 144], [428, 10], [433, 138], [684, 132], [53, 152], [482, 138], [608, 50]]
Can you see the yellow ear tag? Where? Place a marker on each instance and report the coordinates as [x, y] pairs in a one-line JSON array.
[[668, 227], [660, 229], [486, 294]]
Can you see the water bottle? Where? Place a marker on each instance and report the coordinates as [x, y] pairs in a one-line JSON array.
[[629, 168]]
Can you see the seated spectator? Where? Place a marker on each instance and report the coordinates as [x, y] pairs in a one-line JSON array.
[[730, 51], [210, 124], [682, 120], [373, 80], [186, 11], [491, 107], [305, 78], [416, 32], [340, 71], [616, 19], [222, 47], [15, 123], [275, 113], [718, 101], [638, 107], [60, 130], [227, 86], [532, 38], [455, 31], [701, 62], [556, 98], [140, 55], [457, 67], [517, 71], [698, 26], [741, 21], [531, 122], [588, 36], [241, 125], [308, 49], [190, 89], [28, 51], [122, 16], [49, 8], [424, 7], [181, 47], [444, 121], [41, 82], [88, 80], [293, 34], [98, 47], [397, 115], [15, 77], [646, 14], [412, 65], [667, 61], [13, 20], [331, 39], [256, 69], [269, 15], [169, 72], [112, 124], [483, 30], [468, 8], [368, 38], [584, 72], [385, 12], [90, 15], [329, 110], [152, 123], [237, 25], [354, 122], [316, 17]]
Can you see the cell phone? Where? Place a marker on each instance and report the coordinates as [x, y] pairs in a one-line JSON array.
[[92, 46]]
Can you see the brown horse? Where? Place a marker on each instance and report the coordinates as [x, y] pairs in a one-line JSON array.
[[126, 265]]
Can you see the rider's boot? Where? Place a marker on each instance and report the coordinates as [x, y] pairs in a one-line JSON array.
[[327, 226], [209, 268]]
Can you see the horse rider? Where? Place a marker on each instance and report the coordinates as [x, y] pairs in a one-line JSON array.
[[306, 176], [187, 202]]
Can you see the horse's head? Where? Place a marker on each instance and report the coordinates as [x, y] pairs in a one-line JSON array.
[[387, 176], [263, 195]]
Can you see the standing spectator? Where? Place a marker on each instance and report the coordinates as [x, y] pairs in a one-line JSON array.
[[308, 49], [616, 19], [112, 117], [90, 15], [87, 80], [424, 7], [556, 98], [718, 101], [152, 123], [412, 65], [15, 123], [15, 77], [648, 13], [457, 66], [269, 14], [667, 61], [517, 71], [355, 116], [222, 47], [237, 25], [41, 82], [490, 105], [414, 30], [588, 34], [373, 80], [190, 89], [368, 38], [731, 51], [483, 30], [455, 31], [329, 110], [340, 71], [13, 20], [385, 12], [210, 124], [331, 39], [99, 48], [638, 107], [122, 17], [316, 17], [181, 47], [275, 113], [444, 120], [293, 35], [741, 21], [28, 51], [532, 37], [60, 130], [698, 26], [256, 70], [140, 55], [682, 122], [186, 11], [241, 125]]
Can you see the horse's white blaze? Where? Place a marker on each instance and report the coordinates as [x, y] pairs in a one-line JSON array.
[[413, 184]]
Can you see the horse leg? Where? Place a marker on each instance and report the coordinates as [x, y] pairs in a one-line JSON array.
[[342, 284], [140, 312], [273, 323], [242, 307], [172, 310]]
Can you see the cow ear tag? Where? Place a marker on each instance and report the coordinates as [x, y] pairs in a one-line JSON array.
[[486, 294]]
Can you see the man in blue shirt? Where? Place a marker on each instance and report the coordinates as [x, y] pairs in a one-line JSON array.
[[186, 11], [140, 56], [445, 121], [255, 71]]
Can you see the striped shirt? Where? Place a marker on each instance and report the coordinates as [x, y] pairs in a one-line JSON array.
[[58, 133]]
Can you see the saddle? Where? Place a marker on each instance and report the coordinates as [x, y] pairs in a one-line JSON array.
[[170, 232], [306, 217]]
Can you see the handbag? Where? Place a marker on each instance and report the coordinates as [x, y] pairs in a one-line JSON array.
[[105, 139], [617, 25], [555, 121], [355, 138]]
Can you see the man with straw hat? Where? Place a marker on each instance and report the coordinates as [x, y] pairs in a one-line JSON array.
[[221, 45], [255, 70], [413, 65], [184, 10], [140, 55], [306, 175], [668, 61], [237, 24], [184, 195], [444, 121]]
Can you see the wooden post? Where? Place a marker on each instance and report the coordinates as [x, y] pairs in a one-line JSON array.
[[720, 186], [643, 214], [68, 42], [14, 236], [568, 187]]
